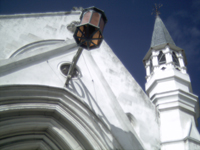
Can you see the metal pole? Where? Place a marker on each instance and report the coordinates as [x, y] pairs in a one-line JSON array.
[[73, 64]]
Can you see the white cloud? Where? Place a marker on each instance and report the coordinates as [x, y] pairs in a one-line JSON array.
[[182, 13], [195, 32], [184, 27]]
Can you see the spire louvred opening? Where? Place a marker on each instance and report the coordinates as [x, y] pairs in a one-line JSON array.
[[161, 58], [175, 59]]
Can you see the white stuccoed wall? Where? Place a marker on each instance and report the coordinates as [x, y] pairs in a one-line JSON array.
[[105, 86], [129, 94]]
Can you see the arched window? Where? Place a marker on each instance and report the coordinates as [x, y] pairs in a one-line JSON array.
[[161, 58], [175, 59]]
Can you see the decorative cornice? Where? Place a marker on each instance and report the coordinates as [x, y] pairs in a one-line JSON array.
[[173, 76]]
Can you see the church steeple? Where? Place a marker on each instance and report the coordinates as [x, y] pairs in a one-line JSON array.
[[169, 88], [163, 53], [160, 34]]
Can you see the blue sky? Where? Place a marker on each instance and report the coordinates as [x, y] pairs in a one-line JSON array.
[[130, 26]]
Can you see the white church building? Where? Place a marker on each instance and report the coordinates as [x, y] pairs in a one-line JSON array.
[[102, 107]]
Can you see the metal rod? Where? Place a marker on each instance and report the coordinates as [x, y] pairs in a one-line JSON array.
[[73, 64]]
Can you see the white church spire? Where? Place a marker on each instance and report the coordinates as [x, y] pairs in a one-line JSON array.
[[169, 88]]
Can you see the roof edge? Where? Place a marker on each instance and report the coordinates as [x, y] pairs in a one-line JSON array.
[[39, 14]]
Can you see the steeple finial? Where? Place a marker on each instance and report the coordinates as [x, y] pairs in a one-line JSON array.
[[156, 9]]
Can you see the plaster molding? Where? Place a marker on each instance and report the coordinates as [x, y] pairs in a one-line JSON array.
[[60, 104], [174, 76], [35, 45]]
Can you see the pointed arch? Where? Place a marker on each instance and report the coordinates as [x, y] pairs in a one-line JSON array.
[[161, 58], [175, 59]]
